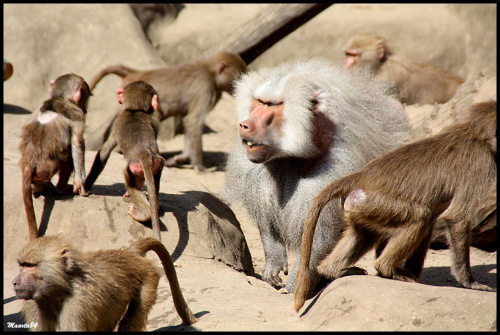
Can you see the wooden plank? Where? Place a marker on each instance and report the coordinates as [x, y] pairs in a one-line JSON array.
[[267, 28]]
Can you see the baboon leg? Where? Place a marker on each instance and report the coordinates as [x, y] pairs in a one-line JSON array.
[[459, 235], [401, 244], [351, 247], [139, 207], [415, 263], [64, 174], [380, 247], [137, 313]]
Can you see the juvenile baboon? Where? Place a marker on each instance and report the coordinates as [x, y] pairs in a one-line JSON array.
[[135, 131], [301, 125], [188, 91], [68, 290], [417, 83], [52, 142], [393, 202]]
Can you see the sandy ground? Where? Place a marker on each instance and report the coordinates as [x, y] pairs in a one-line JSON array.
[[224, 299]]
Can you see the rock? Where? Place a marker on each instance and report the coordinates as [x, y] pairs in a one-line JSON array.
[[361, 303]]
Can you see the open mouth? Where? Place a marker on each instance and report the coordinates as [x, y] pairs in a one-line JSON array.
[[252, 145]]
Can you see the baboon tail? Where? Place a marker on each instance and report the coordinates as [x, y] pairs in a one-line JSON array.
[[142, 246], [28, 174], [338, 188], [119, 70], [147, 167]]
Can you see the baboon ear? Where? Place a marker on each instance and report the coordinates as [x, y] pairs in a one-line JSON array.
[[154, 102], [222, 66], [69, 262], [119, 94], [78, 95]]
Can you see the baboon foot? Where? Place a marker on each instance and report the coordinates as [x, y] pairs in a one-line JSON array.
[[40, 188], [137, 215], [64, 189], [401, 275], [180, 159], [480, 287]]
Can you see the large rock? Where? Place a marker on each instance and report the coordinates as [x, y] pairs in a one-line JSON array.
[[387, 305]]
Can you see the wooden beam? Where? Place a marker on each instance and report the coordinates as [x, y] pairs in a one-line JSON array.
[[267, 28]]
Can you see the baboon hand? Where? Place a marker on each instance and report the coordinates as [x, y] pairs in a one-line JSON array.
[[78, 188], [271, 272]]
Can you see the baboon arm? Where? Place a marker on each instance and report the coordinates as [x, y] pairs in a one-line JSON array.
[[276, 257], [193, 125]]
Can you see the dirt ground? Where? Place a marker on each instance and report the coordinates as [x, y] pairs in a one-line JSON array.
[[222, 298]]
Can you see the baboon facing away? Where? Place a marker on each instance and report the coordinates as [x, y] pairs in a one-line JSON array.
[[68, 290], [135, 131], [417, 83], [301, 125], [393, 202], [188, 91], [52, 142]]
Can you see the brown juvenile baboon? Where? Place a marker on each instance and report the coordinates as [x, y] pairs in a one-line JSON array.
[[393, 202], [135, 131], [68, 290], [303, 124], [53, 142], [417, 83], [189, 91]]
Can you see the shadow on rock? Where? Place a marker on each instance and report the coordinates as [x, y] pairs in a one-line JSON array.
[[213, 223], [11, 109], [48, 205], [211, 159]]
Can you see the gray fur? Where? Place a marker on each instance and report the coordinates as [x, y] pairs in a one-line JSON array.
[[277, 193]]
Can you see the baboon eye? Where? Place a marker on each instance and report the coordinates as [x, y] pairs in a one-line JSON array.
[[27, 265], [270, 103]]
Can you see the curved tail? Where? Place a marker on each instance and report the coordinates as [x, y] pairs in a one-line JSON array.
[[142, 246], [339, 188], [119, 70]]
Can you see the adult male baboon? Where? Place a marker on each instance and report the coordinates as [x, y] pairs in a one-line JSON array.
[[68, 290], [52, 142], [303, 124], [417, 83], [135, 131], [393, 202], [189, 91]]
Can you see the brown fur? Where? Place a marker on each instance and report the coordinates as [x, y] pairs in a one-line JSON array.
[[187, 91], [68, 290], [52, 142], [135, 131], [417, 83], [394, 201]]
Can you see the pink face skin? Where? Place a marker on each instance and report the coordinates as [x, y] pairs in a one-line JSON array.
[[260, 131]]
